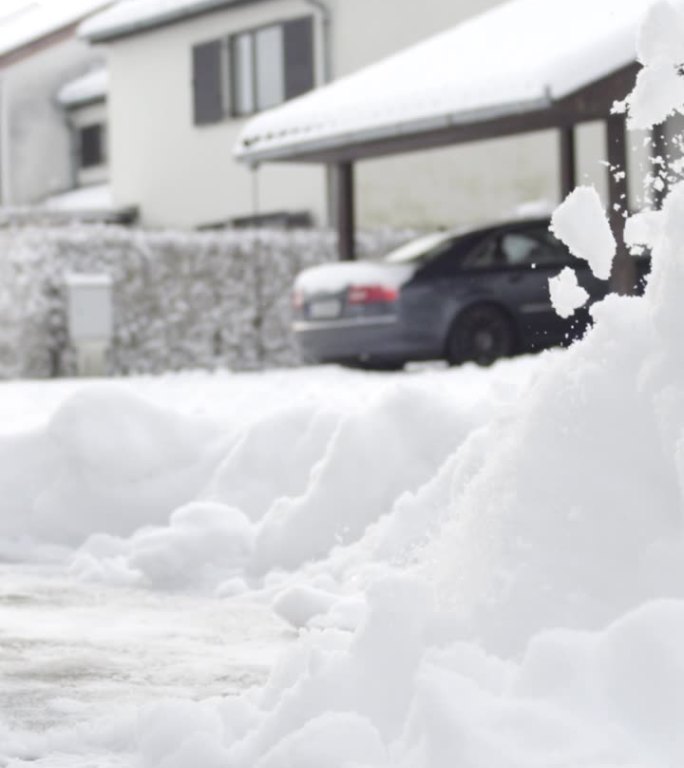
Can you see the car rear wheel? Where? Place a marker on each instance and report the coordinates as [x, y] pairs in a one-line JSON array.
[[482, 334]]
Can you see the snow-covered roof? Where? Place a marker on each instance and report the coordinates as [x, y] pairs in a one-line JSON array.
[[132, 16], [26, 21], [90, 87], [84, 199], [519, 56]]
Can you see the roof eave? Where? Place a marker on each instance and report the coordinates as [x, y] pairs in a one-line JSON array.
[[308, 150], [169, 18]]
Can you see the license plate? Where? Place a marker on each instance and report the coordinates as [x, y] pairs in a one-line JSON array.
[[324, 310]]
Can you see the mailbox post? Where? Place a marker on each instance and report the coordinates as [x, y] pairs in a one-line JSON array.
[[89, 299]]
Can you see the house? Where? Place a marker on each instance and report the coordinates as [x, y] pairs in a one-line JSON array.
[[40, 151], [185, 75]]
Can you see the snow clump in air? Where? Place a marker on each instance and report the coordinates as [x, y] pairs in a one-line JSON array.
[[580, 222], [567, 295]]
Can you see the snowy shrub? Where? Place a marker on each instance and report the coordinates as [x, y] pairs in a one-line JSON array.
[[181, 300]]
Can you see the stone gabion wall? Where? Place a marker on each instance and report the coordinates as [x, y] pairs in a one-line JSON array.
[[181, 300]]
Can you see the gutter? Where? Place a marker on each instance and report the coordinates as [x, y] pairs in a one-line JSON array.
[[298, 151], [326, 19], [162, 19]]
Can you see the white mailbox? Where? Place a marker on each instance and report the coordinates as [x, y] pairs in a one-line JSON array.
[[89, 299]]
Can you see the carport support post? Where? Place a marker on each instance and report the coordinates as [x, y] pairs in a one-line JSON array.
[[345, 211], [623, 276], [568, 163]]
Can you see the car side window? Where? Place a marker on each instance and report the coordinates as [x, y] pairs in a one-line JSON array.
[[485, 255], [523, 249]]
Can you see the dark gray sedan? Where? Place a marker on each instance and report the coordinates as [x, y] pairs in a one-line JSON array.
[[471, 296]]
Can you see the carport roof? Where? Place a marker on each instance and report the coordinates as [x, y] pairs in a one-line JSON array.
[[521, 57]]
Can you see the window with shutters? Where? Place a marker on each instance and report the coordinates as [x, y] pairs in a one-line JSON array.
[[271, 65], [252, 70]]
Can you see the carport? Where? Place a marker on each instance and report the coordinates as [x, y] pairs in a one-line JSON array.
[[525, 66]]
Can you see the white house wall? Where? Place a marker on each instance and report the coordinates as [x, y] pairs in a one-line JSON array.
[[37, 154], [180, 174]]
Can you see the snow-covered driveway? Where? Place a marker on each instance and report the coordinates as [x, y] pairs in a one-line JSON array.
[[94, 629]]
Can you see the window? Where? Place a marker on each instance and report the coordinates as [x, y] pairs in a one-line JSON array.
[[92, 146], [532, 247], [271, 65], [252, 71]]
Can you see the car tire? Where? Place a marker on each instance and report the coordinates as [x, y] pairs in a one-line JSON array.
[[481, 334]]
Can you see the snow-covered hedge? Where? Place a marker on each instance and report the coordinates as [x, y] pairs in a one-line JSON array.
[[181, 300]]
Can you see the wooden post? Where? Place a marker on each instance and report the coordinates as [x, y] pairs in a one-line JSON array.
[[659, 164], [568, 163], [623, 276], [345, 211]]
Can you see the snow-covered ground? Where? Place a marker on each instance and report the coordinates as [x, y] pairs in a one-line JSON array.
[[94, 630], [307, 568]]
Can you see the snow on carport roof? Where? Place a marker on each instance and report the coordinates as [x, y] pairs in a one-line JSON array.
[[27, 21], [516, 57]]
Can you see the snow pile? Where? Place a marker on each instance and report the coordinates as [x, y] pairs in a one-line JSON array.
[[567, 294], [544, 623], [480, 586]]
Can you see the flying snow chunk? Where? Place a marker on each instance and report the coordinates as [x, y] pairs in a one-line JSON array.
[[566, 293], [580, 222], [659, 89]]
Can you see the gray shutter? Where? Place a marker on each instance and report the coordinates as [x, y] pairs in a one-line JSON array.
[[299, 57], [207, 81]]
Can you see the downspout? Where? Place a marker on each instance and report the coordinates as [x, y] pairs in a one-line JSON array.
[[326, 23], [4, 156]]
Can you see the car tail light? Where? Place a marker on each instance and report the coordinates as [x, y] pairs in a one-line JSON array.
[[371, 294]]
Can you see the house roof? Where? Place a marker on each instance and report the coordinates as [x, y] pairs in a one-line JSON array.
[[516, 58], [86, 89], [131, 17], [23, 22]]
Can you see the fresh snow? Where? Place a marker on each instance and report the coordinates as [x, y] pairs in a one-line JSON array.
[[517, 56], [90, 87], [31, 21], [466, 567], [332, 278], [139, 526], [581, 223], [82, 200], [566, 293], [132, 15]]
